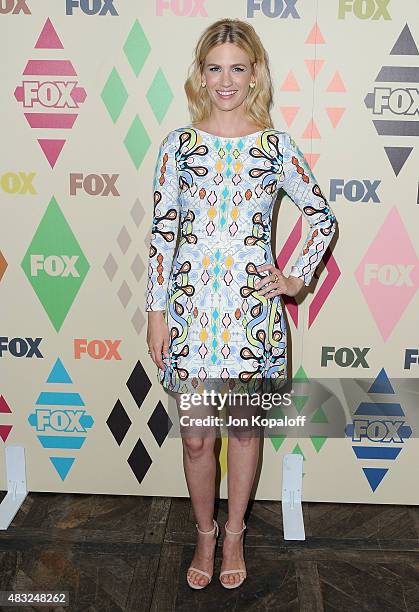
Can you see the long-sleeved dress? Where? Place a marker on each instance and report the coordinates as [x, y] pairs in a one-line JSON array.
[[221, 190]]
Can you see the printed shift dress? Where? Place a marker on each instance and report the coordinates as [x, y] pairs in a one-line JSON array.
[[220, 193]]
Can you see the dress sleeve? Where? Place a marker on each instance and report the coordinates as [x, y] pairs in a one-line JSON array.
[[164, 228], [303, 189]]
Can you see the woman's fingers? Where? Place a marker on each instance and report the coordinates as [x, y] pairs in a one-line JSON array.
[[268, 284], [156, 354], [165, 346]]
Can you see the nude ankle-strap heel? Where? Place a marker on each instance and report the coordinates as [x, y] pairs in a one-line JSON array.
[[234, 571], [215, 530]]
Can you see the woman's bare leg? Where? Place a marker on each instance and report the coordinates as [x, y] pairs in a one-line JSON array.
[[200, 469], [242, 460]]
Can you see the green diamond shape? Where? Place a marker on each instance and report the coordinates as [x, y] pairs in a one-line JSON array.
[[55, 264], [114, 95], [159, 95], [137, 141], [136, 47]]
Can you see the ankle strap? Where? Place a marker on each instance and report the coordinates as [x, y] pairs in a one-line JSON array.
[[215, 528], [234, 532]]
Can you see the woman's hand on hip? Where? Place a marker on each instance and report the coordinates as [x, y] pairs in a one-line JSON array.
[[276, 283]]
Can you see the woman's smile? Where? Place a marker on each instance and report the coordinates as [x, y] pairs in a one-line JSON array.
[[226, 94]]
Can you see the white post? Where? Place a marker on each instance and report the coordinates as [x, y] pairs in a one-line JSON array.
[[16, 484], [292, 511]]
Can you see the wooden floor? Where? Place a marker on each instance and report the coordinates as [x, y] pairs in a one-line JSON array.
[[131, 553]]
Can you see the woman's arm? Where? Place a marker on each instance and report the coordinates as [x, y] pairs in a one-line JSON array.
[[166, 213], [302, 187]]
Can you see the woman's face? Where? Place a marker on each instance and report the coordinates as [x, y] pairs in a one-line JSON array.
[[227, 73]]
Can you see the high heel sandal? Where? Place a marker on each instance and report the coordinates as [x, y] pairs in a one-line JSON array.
[[234, 585], [215, 530]]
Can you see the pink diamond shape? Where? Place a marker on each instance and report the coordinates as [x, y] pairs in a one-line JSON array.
[[388, 274]]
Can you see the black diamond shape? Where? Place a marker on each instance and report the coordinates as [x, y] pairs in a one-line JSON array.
[[160, 423], [139, 384], [139, 461], [118, 422]]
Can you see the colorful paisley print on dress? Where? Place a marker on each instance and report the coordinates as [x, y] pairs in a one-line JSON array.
[[220, 192]]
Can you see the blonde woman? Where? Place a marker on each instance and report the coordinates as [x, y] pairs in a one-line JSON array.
[[214, 307]]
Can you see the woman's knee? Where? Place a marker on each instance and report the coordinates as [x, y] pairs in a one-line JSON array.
[[244, 439], [197, 446]]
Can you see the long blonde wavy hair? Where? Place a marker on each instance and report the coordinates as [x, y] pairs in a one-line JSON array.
[[259, 100]]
